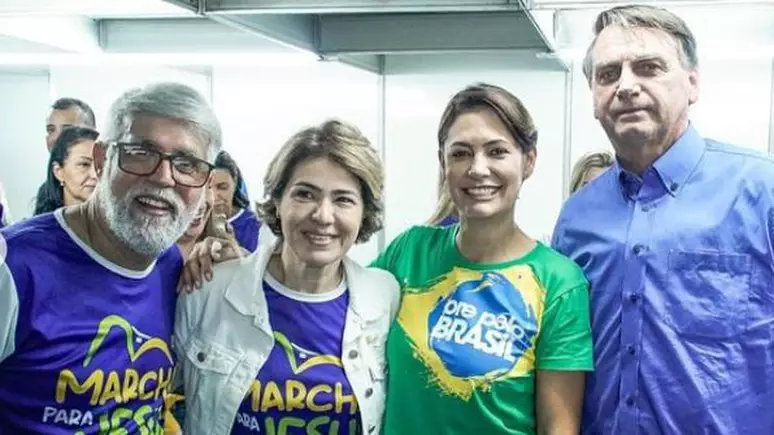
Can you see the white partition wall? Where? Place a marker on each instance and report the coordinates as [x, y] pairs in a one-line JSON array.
[[100, 85], [23, 153], [261, 107], [735, 101], [417, 93]]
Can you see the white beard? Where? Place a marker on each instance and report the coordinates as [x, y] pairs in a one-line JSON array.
[[144, 234]]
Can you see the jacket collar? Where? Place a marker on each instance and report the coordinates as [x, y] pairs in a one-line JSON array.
[[245, 291]]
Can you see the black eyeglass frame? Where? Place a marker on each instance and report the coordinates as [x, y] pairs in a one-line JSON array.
[[162, 156]]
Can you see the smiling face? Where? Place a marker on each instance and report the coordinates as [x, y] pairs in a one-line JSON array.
[[484, 166], [320, 212], [199, 222], [641, 89], [149, 213]]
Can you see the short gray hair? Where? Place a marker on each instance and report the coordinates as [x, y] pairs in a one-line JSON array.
[[167, 100], [649, 17]]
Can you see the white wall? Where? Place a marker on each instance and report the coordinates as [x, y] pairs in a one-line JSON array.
[[417, 93], [99, 86], [23, 155], [261, 107], [735, 101]]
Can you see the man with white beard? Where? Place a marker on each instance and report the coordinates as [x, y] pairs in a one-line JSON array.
[[87, 293]]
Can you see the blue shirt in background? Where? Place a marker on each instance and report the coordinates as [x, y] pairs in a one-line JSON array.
[[246, 228], [682, 291]]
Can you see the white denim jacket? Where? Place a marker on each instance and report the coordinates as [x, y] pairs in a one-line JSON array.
[[223, 338]]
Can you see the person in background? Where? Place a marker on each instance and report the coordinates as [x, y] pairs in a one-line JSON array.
[[493, 333], [677, 239], [232, 203], [196, 230], [71, 177], [589, 167], [445, 214], [298, 322], [66, 112], [87, 293], [5, 212]]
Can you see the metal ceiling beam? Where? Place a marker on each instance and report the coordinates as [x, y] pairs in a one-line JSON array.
[[180, 35], [190, 5], [293, 31], [362, 32], [431, 32], [353, 6]]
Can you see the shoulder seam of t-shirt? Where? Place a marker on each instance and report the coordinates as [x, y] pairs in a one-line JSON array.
[[301, 296], [238, 214], [102, 261], [561, 294]]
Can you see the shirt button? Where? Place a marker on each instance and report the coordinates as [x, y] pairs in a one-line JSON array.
[[673, 186], [637, 249], [630, 401], [369, 392], [201, 356], [353, 354], [371, 429], [630, 348], [634, 297]]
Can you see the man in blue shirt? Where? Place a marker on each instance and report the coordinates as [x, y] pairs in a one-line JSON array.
[[677, 240]]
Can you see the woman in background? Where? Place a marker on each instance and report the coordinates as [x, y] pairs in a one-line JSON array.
[[589, 167], [196, 230], [71, 175], [493, 335], [232, 203], [292, 338]]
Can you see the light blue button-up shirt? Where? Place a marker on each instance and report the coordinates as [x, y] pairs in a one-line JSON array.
[[681, 265]]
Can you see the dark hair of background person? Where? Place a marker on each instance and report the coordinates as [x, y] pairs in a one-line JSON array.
[[68, 103], [226, 162], [51, 193]]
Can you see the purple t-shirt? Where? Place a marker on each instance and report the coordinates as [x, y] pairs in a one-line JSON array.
[[246, 227], [89, 349], [302, 387]]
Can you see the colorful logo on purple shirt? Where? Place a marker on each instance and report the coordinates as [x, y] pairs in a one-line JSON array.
[[144, 389]]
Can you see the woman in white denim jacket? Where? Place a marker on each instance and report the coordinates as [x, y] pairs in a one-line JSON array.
[[292, 338]]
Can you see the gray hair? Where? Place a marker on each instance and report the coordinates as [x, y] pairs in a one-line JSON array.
[[167, 100], [649, 17]]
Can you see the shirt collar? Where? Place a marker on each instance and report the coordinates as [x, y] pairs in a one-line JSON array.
[[673, 167]]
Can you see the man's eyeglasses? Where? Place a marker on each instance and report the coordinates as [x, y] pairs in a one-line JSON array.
[[143, 160]]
